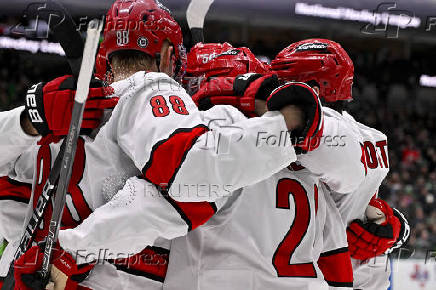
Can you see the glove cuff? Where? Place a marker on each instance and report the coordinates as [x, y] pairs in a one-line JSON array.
[[304, 97], [242, 82], [34, 108], [262, 87], [404, 234]]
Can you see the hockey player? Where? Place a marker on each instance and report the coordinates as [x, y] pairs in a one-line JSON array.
[[141, 138], [326, 66], [198, 255], [263, 238]]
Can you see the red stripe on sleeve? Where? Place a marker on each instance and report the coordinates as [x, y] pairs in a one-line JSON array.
[[168, 155], [151, 263], [336, 268], [14, 190], [194, 213], [166, 158]]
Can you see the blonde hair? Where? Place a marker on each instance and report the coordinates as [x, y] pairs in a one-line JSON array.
[[124, 63]]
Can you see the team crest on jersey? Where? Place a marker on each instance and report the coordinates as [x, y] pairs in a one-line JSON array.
[[142, 42], [311, 46]]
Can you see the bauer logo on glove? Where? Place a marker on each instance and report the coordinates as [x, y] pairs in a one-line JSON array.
[[49, 106]]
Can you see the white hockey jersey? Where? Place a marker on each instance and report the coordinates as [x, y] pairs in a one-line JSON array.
[[373, 274], [153, 127], [376, 161], [268, 236], [131, 205]]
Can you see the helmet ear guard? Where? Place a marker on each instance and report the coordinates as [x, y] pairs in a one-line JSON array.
[[320, 60]]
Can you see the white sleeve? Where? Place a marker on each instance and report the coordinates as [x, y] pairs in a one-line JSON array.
[[14, 199], [12, 215], [135, 217], [159, 142], [13, 141], [232, 156], [337, 160], [163, 133]]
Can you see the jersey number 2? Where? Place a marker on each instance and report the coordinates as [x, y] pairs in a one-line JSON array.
[[283, 255]]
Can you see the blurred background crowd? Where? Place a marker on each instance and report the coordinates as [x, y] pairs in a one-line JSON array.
[[387, 96]]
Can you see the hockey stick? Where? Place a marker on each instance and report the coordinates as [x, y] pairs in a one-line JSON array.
[[195, 15], [64, 31], [62, 25], [35, 218], [86, 69]]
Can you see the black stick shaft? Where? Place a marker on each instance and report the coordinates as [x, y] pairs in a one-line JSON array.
[[62, 188]]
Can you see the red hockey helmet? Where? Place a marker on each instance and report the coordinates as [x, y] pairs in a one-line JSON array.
[[207, 60], [143, 25], [101, 64], [320, 60]]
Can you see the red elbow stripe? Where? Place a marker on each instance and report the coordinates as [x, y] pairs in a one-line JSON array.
[[166, 158], [193, 213], [168, 155], [336, 267], [151, 263], [14, 190]]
